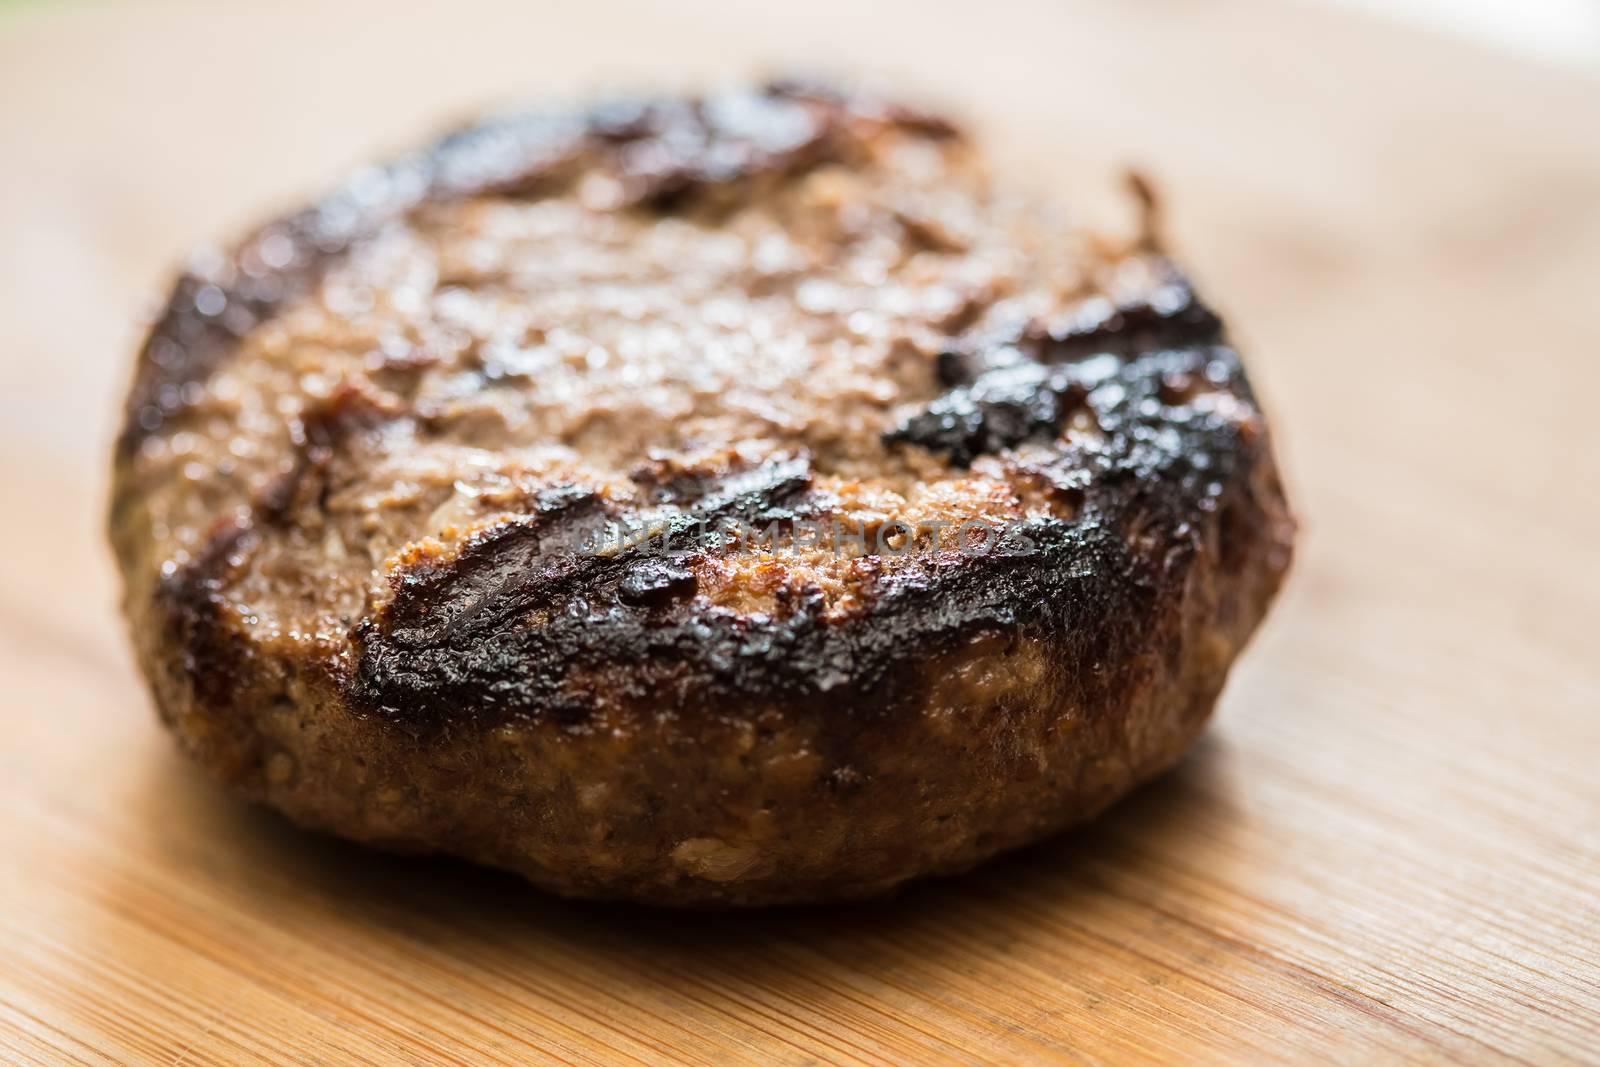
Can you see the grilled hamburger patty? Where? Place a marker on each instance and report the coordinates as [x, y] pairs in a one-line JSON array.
[[724, 500]]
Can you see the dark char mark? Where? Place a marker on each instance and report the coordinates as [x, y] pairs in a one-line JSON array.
[[483, 630], [1004, 407], [1013, 386], [193, 603]]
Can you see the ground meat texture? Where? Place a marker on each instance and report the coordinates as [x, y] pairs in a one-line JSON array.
[[733, 500]]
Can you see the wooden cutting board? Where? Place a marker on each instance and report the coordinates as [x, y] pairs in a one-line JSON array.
[[1387, 848]]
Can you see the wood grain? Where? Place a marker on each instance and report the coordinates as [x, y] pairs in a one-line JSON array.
[[1388, 848]]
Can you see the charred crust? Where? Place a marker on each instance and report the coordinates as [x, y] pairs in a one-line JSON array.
[[1003, 408], [1013, 385], [655, 583], [499, 627], [1077, 587], [192, 602], [1162, 312]]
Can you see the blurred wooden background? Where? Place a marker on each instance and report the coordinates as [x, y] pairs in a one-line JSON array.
[[1388, 847]]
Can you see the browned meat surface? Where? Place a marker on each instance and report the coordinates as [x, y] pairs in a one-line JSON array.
[[735, 500]]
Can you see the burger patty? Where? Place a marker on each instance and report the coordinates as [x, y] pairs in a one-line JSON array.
[[741, 499]]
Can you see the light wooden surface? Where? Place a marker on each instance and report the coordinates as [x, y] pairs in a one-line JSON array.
[[1389, 845]]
